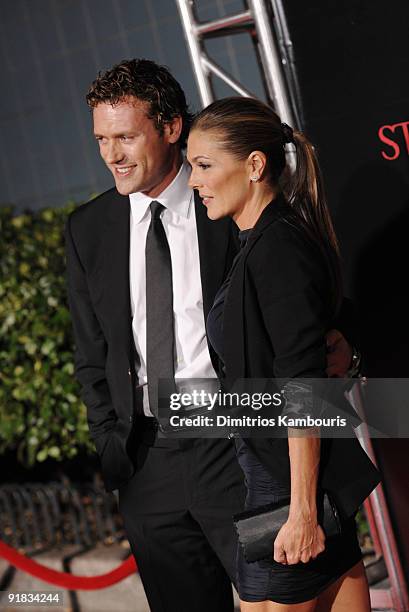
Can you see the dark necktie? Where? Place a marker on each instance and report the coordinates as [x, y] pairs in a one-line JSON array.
[[159, 307]]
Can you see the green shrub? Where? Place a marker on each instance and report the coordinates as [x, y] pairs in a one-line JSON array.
[[41, 415]]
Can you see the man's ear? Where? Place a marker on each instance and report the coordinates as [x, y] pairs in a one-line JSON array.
[[173, 129]]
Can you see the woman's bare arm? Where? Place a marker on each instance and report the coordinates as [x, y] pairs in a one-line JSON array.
[[301, 538]]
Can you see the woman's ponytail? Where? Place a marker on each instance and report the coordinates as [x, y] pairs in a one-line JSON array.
[[305, 193]]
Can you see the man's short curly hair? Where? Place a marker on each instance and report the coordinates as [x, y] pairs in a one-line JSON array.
[[148, 82]]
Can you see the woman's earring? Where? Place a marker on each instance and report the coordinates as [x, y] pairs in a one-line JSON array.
[[254, 179]]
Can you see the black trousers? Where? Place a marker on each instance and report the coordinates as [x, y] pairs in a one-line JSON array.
[[177, 510]]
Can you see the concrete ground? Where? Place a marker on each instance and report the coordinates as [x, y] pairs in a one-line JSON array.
[[125, 596]]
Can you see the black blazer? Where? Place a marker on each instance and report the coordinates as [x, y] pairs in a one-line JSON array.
[[277, 312], [97, 248]]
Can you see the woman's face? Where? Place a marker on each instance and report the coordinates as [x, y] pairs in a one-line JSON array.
[[222, 180]]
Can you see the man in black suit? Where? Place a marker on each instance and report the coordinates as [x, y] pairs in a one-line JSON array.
[[143, 265]]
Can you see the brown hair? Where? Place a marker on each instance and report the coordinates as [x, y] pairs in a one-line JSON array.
[[244, 125], [149, 82]]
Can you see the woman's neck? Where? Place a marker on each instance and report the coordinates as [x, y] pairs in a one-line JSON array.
[[248, 216]]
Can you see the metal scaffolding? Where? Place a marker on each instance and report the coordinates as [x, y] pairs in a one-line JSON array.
[[265, 22]]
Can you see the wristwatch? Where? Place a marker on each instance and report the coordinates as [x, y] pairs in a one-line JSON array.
[[355, 366]]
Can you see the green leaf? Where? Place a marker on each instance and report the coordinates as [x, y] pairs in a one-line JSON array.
[[41, 415], [42, 455], [54, 452], [47, 347]]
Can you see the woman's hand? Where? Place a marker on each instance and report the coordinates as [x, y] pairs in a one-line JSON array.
[[299, 540]]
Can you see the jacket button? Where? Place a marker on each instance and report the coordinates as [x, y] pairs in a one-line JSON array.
[[130, 419], [129, 371]]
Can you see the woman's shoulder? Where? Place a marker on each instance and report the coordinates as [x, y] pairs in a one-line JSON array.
[[286, 231], [284, 249]]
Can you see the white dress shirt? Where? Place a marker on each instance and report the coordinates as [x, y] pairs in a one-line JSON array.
[[179, 222]]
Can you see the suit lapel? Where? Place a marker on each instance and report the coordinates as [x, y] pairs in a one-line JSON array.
[[116, 267], [234, 329], [216, 249], [233, 324]]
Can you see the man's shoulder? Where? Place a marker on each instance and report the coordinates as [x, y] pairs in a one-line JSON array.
[[96, 206], [94, 213]]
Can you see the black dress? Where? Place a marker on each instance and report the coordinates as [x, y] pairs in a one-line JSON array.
[[268, 579]]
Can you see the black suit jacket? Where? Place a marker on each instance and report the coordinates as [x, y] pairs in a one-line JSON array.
[[277, 312], [97, 247]]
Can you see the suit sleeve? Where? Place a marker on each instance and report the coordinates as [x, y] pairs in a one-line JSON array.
[[90, 350], [292, 289]]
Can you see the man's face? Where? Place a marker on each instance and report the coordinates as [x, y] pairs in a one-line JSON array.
[[139, 157]]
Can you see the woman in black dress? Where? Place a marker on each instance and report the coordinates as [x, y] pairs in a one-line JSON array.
[[270, 319]]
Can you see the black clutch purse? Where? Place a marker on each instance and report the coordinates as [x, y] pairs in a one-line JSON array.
[[257, 529]]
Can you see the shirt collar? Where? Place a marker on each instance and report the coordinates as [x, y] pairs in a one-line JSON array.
[[177, 197]]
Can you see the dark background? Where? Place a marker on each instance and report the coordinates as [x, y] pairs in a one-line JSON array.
[[352, 61]]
